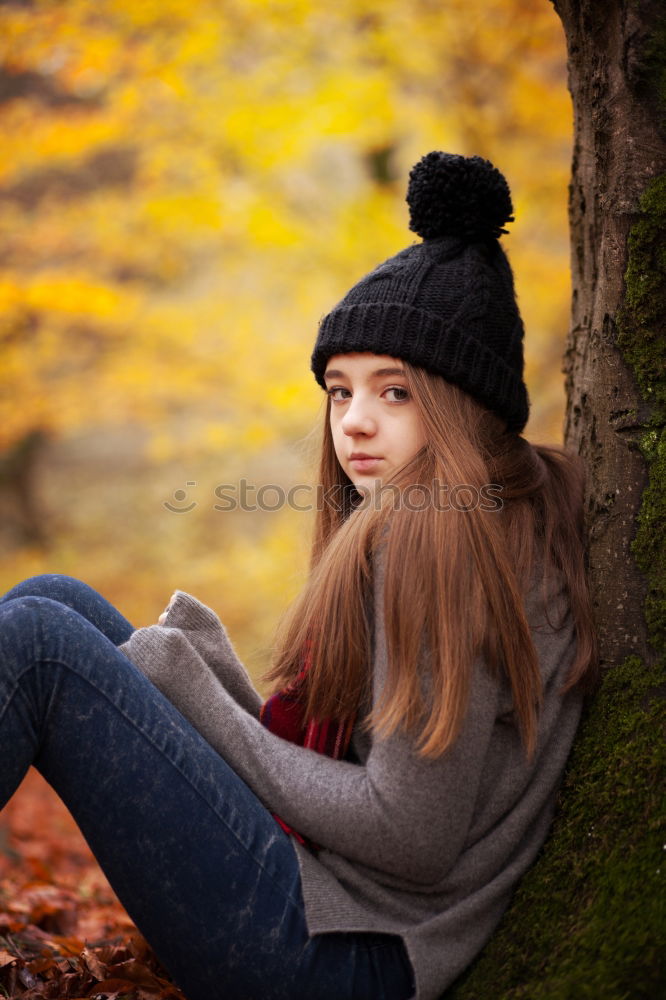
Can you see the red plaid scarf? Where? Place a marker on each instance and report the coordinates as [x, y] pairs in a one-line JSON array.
[[283, 714]]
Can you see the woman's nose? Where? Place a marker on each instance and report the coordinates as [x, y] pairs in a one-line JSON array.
[[358, 418]]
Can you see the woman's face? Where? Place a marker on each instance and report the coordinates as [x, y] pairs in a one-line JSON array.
[[374, 421]]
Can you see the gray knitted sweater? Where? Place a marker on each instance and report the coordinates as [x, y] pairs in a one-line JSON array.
[[430, 850]]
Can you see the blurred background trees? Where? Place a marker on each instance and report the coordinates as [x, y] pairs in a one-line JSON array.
[[185, 189]]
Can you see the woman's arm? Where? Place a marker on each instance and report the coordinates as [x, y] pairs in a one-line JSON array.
[[397, 813]]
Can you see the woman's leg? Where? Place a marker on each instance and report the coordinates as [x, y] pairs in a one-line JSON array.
[[79, 596], [199, 863]]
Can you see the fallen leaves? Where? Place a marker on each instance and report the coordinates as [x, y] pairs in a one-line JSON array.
[[6, 958], [38, 968], [63, 933]]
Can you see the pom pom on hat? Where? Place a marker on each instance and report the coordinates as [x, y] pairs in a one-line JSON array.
[[461, 196]]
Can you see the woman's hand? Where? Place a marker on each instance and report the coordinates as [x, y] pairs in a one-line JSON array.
[[162, 617]]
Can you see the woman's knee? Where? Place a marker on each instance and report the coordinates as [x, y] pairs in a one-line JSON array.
[[33, 615], [29, 627], [78, 596], [53, 585], [38, 630], [54, 665]]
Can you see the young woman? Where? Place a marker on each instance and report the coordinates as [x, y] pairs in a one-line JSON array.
[[359, 834]]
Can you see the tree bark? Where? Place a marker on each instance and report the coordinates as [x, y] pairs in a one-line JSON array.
[[617, 151]]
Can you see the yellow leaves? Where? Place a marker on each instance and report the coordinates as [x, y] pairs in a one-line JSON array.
[[75, 296], [286, 124], [149, 13], [56, 330], [219, 437], [179, 210], [283, 396], [160, 448], [256, 435], [269, 226], [33, 138]]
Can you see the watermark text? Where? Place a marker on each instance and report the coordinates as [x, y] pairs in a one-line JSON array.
[[305, 497]]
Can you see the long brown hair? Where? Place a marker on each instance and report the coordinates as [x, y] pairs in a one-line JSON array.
[[441, 569]]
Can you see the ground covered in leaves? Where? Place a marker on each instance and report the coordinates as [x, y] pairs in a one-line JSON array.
[[63, 933]]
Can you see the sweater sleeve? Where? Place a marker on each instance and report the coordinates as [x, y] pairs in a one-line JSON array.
[[399, 814], [192, 637]]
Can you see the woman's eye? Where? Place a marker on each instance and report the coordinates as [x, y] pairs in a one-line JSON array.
[[335, 389], [399, 390]]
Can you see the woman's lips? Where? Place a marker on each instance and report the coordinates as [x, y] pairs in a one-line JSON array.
[[363, 464]]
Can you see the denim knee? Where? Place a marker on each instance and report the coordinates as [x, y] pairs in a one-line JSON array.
[[79, 596], [53, 585], [31, 617]]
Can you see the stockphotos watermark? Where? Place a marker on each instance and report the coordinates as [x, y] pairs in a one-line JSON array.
[[305, 497]]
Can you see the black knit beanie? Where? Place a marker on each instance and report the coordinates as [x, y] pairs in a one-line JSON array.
[[447, 304]]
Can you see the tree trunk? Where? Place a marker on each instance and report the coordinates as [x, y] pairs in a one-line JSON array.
[[588, 919], [617, 153]]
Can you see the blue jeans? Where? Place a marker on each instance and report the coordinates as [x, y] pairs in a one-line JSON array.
[[199, 863]]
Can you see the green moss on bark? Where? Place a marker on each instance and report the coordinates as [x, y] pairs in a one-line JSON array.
[[649, 545], [642, 339], [586, 922], [641, 320]]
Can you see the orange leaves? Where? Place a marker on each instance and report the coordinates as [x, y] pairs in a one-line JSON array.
[[49, 907], [6, 958], [63, 934], [46, 969]]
